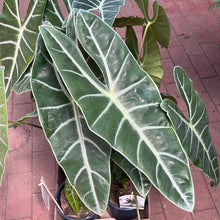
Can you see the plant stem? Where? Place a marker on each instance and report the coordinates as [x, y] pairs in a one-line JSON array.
[[143, 40], [16, 123], [136, 203]]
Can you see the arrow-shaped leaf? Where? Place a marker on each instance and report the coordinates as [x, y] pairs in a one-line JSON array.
[[193, 132], [125, 111], [108, 9], [84, 157], [3, 125], [18, 38]]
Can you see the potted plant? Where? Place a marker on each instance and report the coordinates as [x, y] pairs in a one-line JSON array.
[[88, 119], [70, 205], [124, 199]]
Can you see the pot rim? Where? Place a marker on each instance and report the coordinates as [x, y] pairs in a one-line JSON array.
[[118, 208], [57, 197]]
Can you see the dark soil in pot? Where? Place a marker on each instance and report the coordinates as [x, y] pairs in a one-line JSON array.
[[116, 191], [67, 209], [69, 214], [123, 213]]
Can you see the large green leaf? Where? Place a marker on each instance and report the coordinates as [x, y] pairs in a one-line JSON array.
[[18, 38], [193, 132], [139, 180], [3, 125], [126, 111], [84, 157], [108, 9]]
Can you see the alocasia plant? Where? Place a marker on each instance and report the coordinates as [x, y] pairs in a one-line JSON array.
[[95, 103]]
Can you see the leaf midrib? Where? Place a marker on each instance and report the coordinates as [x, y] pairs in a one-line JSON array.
[[84, 154], [191, 125], [198, 136], [22, 28]]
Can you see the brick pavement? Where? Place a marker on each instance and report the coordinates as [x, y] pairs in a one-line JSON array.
[[194, 39]]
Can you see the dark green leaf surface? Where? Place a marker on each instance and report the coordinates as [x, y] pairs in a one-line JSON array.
[[139, 180], [193, 132], [143, 5], [126, 111], [108, 9], [53, 13], [24, 83], [161, 27], [84, 157], [68, 4], [18, 38], [128, 21], [71, 25], [131, 41], [3, 125], [157, 30]]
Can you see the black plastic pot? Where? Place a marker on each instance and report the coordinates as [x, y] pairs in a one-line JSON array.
[[57, 197], [125, 213], [121, 213]]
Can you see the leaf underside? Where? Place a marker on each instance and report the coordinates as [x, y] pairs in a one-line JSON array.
[[84, 157], [126, 110], [193, 132]]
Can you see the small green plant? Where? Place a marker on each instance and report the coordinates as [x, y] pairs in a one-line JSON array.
[[74, 200], [96, 102]]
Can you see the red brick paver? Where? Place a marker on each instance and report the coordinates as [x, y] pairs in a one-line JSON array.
[[195, 34]]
